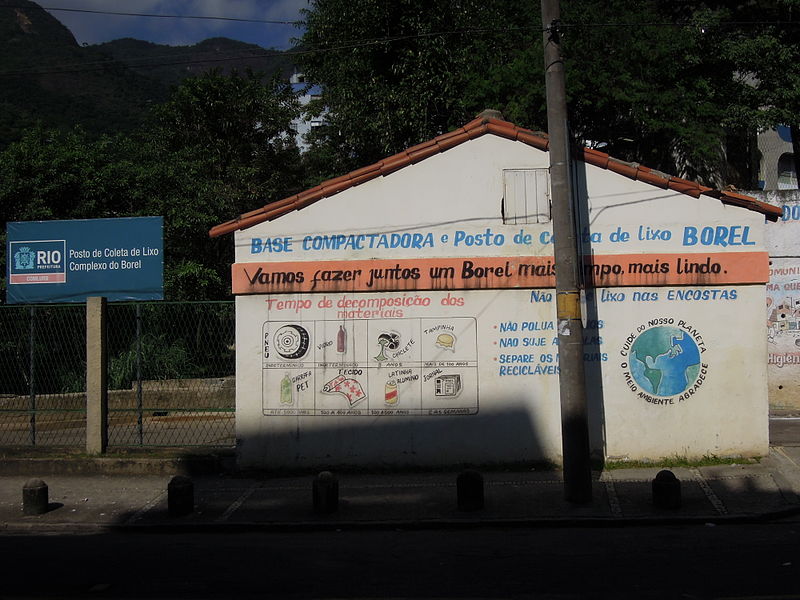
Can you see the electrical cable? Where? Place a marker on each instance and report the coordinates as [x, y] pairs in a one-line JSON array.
[[156, 15], [147, 62]]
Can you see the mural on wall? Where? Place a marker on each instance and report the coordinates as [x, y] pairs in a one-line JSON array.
[[783, 301], [783, 315], [370, 367], [407, 364], [349, 353], [661, 361], [487, 356]]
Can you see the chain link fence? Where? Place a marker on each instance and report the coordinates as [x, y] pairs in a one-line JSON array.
[[42, 376], [170, 375]]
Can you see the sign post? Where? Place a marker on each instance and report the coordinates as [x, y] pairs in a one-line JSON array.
[[92, 261], [96, 376]]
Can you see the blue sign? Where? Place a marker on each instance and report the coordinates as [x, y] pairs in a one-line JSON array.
[[68, 261]]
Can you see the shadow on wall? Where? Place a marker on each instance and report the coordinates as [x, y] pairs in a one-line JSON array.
[[519, 430], [593, 332], [505, 437]]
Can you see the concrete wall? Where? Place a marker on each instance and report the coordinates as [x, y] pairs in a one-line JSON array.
[[465, 369], [783, 300]]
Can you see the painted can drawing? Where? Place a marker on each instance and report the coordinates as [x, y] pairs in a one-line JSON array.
[[390, 389]]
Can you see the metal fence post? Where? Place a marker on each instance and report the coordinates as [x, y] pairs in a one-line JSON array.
[[139, 419]]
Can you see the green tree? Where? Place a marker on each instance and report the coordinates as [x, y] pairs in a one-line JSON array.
[[240, 127], [396, 72], [219, 147], [234, 133], [647, 79], [766, 51]]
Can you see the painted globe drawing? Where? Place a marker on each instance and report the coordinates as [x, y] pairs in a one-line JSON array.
[[665, 361]]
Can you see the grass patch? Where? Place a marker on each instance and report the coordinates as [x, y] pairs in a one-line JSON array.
[[671, 462]]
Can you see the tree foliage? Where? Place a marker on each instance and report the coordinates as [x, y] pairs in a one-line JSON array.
[[221, 145], [767, 55], [678, 85], [660, 82], [648, 82], [396, 72]]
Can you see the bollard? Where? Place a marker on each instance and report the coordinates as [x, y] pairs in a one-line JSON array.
[[469, 489], [34, 497], [326, 493], [666, 490], [180, 496]]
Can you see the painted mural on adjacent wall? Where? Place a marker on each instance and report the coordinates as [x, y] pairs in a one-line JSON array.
[[783, 301]]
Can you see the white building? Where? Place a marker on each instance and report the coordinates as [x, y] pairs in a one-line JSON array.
[[776, 169], [403, 313], [303, 124]]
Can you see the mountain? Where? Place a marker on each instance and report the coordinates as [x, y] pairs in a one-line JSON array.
[[47, 77], [170, 64]]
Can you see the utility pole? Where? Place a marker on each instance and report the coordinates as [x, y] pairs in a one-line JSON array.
[[572, 385]]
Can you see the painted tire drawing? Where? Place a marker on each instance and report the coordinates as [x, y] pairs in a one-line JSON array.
[[292, 341]]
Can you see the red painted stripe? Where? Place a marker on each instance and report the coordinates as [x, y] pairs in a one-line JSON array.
[[417, 274]]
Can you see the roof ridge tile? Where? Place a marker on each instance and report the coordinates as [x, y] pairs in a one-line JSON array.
[[475, 132], [451, 141], [481, 125], [532, 139], [425, 152], [651, 177]]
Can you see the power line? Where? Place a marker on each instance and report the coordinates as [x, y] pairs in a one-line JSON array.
[[160, 15], [100, 65], [300, 23], [334, 46], [82, 67], [682, 25]]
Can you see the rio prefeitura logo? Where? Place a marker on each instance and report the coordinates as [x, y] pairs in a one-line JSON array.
[[24, 259]]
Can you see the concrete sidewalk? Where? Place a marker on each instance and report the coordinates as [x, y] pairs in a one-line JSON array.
[[130, 499]]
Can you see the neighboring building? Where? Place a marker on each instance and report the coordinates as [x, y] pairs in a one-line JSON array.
[[777, 169], [303, 125], [783, 300], [404, 313]]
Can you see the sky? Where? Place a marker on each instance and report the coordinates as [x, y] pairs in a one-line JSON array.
[[89, 28]]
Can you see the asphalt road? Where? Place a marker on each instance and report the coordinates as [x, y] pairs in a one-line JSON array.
[[725, 561], [784, 431]]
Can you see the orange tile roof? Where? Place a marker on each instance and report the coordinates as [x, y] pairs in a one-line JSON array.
[[476, 128]]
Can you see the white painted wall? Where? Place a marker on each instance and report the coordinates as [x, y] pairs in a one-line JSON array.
[[783, 301], [506, 409]]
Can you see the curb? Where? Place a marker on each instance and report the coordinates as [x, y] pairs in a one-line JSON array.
[[195, 465], [414, 525]]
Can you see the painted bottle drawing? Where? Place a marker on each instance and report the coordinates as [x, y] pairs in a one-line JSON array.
[[286, 390], [341, 340]]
